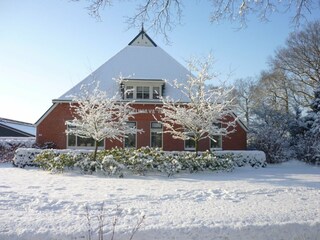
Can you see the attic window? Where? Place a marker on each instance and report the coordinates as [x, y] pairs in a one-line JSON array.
[[143, 89], [129, 92], [143, 92], [156, 93]]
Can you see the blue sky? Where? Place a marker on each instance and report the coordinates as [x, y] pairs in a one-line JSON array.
[[46, 47]]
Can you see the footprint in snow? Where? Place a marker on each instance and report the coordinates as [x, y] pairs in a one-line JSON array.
[[33, 187]]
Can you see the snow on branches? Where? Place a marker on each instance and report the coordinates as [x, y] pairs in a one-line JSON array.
[[207, 113], [98, 116]]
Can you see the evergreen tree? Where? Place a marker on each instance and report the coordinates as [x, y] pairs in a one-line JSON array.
[[308, 140]]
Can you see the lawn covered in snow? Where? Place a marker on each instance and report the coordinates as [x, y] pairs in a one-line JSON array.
[[277, 202]]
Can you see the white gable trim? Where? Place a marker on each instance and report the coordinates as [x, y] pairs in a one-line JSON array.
[[53, 106], [142, 39], [244, 127]]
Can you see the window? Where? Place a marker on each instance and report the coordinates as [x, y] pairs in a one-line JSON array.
[[130, 139], [85, 142], [74, 141], [156, 93], [129, 92], [143, 93], [156, 134], [217, 143], [142, 89], [189, 144]]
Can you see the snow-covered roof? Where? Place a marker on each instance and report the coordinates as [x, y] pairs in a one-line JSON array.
[[136, 61], [23, 127]]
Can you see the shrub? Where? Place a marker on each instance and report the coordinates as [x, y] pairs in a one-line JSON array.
[[116, 161], [44, 159], [85, 164], [54, 161], [111, 167], [140, 160], [168, 164], [244, 158], [8, 146], [25, 156]]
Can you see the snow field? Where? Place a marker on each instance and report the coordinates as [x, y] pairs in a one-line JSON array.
[[277, 202]]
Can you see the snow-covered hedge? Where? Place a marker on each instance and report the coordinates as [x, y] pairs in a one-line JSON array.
[[8, 146], [242, 158], [25, 157], [137, 161], [116, 161]]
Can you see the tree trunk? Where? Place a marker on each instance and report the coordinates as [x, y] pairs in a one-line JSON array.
[[95, 150], [196, 145]]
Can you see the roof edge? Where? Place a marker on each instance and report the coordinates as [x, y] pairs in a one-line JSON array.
[[17, 130], [245, 128], [54, 104]]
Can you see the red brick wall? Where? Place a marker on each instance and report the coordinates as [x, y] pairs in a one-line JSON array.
[[236, 140], [52, 129]]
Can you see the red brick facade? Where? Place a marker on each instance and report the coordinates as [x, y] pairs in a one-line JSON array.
[[51, 128]]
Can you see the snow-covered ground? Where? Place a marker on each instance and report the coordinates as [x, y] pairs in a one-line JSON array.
[[277, 202]]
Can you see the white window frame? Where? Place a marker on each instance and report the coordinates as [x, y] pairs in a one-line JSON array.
[[189, 148], [220, 140], [219, 125], [132, 90], [134, 84], [81, 147], [143, 92], [153, 92], [156, 130], [136, 139]]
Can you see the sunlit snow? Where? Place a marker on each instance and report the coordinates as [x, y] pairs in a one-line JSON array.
[[277, 202]]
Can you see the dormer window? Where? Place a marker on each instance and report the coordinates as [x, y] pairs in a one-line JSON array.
[[143, 92], [156, 92], [143, 89], [129, 92]]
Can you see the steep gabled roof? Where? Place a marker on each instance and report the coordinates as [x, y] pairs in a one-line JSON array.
[[135, 61], [141, 60]]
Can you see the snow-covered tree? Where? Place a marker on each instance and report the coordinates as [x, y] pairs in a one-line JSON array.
[[98, 116], [207, 111], [270, 133], [245, 93], [308, 134]]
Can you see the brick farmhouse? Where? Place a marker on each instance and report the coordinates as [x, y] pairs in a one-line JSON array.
[[146, 69]]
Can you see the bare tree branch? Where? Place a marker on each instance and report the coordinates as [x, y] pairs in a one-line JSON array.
[[300, 60], [163, 15]]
